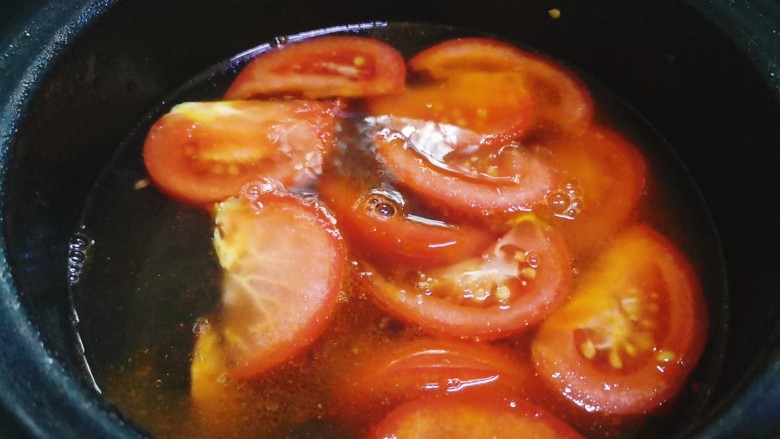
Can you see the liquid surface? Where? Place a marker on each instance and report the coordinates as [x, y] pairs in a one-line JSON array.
[[144, 274]]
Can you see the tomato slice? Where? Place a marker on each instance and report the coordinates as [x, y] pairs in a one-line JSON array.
[[470, 417], [332, 66], [216, 397], [470, 179], [205, 152], [283, 262], [632, 332], [425, 367], [378, 223], [497, 106], [603, 178], [512, 286], [558, 96]]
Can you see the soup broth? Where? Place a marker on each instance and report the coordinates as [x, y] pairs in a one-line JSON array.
[[146, 283]]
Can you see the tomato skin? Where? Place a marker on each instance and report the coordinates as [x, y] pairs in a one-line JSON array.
[[559, 98], [284, 263], [632, 332], [330, 66], [601, 177], [426, 367], [525, 182], [378, 225], [202, 153], [470, 417], [488, 297]]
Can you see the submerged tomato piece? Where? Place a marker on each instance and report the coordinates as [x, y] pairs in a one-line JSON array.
[[377, 222], [469, 417], [512, 286], [283, 262], [495, 106], [331, 66], [426, 368], [215, 396], [205, 152], [557, 96], [632, 332], [602, 177], [474, 180]]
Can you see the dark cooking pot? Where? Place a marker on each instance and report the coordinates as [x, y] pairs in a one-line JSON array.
[[75, 75]]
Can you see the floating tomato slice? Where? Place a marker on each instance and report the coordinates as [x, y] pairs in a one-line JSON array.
[[496, 106], [602, 179], [283, 262], [558, 96], [471, 179], [425, 367], [470, 417], [376, 220], [332, 66], [205, 152], [632, 332], [514, 285]]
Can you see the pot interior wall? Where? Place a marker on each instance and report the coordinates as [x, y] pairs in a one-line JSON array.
[[693, 85]]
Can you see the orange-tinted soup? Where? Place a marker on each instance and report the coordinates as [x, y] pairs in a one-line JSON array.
[[337, 237]]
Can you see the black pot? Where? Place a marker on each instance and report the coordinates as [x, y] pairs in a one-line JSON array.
[[76, 75]]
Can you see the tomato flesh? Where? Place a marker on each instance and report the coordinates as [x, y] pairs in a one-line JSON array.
[[283, 262], [333, 66], [426, 367], [205, 152], [513, 285], [632, 332], [496, 106], [472, 180], [601, 179], [469, 417], [558, 97], [377, 222]]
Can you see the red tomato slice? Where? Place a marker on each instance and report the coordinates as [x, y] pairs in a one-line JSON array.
[[603, 177], [332, 66], [283, 261], [425, 367], [469, 417], [514, 285], [496, 106], [472, 180], [632, 332], [558, 96], [376, 220], [205, 152]]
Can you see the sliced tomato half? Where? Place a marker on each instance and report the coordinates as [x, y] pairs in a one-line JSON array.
[[331, 66], [496, 106], [512, 286], [470, 179], [204, 152], [469, 417], [425, 368], [377, 221], [558, 96], [631, 334], [283, 260], [602, 177]]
